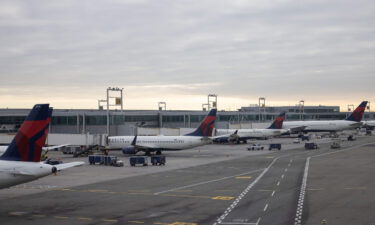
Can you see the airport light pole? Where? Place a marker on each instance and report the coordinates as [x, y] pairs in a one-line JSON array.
[[212, 98], [301, 109], [205, 106], [162, 106], [261, 104], [118, 102], [100, 106]]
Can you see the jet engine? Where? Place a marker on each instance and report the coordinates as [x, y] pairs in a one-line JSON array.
[[129, 150]]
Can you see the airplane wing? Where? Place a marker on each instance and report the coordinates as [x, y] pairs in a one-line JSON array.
[[142, 146], [356, 125], [54, 147], [64, 166], [297, 129], [231, 136]]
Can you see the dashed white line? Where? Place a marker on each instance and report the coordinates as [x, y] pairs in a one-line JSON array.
[[265, 207], [286, 169], [298, 219], [244, 192], [258, 220], [273, 193], [282, 176], [278, 183]]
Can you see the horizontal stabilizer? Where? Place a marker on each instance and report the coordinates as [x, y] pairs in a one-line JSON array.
[[64, 166]]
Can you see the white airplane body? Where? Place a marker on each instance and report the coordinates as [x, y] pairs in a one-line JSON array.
[[322, 125], [237, 135], [252, 133], [164, 143], [353, 121], [133, 144], [20, 163], [14, 172]]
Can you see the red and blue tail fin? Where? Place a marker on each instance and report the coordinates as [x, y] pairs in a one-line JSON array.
[[31, 137], [278, 122], [357, 114], [206, 128]]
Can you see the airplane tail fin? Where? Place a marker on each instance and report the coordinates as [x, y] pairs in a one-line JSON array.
[[207, 125], [278, 122], [357, 114], [31, 137]]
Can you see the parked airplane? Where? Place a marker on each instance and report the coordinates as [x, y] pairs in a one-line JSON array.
[[21, 161], [133, 144], [353, 121], [369, 124], [242, 135]]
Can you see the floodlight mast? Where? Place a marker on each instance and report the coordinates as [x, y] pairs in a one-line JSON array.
[[211, 101], [261, 105], [118, 101], [301, 105]]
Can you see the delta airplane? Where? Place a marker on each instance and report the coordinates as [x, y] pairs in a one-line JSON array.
[[21, 161], [133, 144], [353, 121], [242, 135]]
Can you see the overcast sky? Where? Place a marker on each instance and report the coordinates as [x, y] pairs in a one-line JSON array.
[[68, 52]]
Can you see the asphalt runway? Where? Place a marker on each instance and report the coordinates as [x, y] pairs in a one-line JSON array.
[[255, 189]]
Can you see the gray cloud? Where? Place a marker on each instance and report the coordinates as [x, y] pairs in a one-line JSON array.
[[285, 50]]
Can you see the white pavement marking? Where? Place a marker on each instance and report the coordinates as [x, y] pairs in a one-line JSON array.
[[298, 219], [239, 223], [286, 169], [244, 192], [206, 182], [278, 183], [282, 176], [265, 207], [258, 220], [273, 193]]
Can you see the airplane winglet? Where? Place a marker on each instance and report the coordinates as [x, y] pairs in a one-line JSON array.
[[134, 142]]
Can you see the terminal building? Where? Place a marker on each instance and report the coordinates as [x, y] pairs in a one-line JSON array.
[[126, 122]]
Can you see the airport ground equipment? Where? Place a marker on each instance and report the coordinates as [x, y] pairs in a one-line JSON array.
[[368, 132], [158, 160], [335, 144], [274, 146], [107, 160], [311, 145], [138, 160], [305, 138], [351, 138], [297, 141], [255, 147]]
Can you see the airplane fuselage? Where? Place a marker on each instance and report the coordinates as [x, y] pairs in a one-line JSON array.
[[165, 143], [16, 172], [322, 125], [252, 133]]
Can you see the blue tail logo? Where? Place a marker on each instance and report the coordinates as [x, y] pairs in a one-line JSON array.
[[206, 127], [31, 137]]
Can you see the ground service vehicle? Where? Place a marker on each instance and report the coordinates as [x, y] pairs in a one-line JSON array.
[[158, 160], [136, 160], [276, 146], [311, 145], [255, 147]]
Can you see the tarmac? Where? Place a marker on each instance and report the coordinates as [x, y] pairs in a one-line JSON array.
[[213, 184]]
